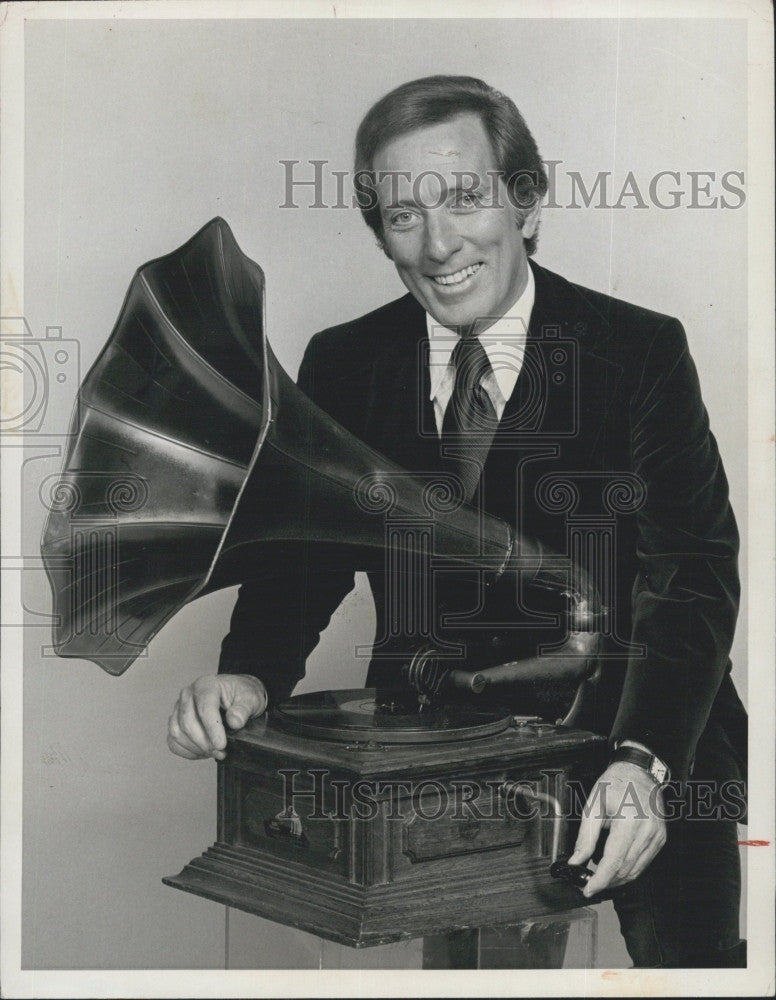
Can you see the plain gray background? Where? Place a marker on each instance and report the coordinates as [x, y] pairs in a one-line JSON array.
[[137, 133]]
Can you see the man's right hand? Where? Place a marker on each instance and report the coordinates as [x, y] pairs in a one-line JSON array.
[[195, 729]]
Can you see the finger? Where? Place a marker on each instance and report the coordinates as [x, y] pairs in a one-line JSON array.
[[250, 700], [606, 876], [189, 722], [627, 871], [207, 701], [181, 751], [587, 838], [608, 871], [175, 733], [653, 848], [643, 838]]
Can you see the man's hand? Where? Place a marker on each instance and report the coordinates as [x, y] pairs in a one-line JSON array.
[[626, 801], [195, 729]]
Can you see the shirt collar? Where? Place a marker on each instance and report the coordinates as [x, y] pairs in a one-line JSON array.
[[504, 339]]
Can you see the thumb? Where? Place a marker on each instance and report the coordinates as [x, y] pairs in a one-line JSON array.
[[247, 703]]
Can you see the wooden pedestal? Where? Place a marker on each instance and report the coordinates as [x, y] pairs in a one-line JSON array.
[[366, 844]]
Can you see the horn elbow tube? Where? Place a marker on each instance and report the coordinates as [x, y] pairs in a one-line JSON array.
[[575, 659], [540, 567]]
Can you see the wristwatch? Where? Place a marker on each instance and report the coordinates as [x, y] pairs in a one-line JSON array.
[[653, 765]]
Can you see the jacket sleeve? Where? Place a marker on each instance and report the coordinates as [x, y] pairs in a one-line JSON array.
[[685, 596], [280, 614]]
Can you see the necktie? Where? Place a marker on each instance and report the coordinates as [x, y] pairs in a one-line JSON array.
[[470, 420]]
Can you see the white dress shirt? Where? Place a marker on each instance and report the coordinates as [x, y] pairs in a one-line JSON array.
[[504, 343]]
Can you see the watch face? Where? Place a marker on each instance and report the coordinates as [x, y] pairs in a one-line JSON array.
[[658, 771]]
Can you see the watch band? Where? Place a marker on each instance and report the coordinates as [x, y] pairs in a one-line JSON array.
[[653, 765]]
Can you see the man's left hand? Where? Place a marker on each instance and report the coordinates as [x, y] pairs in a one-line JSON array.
[[626, 801]]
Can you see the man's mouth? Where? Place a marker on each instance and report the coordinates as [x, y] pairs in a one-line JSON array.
[[457, 277]]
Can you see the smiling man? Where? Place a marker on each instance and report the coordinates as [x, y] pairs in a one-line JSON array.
[[447, 224], [572, 384]]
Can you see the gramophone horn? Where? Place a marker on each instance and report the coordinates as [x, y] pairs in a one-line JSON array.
[[195, 453]]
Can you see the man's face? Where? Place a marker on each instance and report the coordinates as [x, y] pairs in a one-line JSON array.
[[448, 225]]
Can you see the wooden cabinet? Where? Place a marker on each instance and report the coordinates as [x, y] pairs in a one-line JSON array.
[[366, 844]]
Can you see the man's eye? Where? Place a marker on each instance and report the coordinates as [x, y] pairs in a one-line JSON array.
[[403, 218], [467, 199]]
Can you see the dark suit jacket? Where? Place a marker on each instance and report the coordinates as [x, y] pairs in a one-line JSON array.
[[605, 433]]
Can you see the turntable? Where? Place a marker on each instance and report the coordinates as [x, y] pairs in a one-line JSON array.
[[354, 816]]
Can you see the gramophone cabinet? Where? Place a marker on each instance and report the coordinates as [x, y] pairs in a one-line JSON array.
[[384, 842]]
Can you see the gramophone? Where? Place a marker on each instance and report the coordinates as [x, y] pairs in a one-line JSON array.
[[363, 816]]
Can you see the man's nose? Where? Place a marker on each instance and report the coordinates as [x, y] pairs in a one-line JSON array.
[[442, 236]]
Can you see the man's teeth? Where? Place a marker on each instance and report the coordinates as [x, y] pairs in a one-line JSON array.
[[458, 277]]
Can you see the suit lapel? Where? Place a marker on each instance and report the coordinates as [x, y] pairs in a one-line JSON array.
[[553, 420], [565, 387], [400, 418]]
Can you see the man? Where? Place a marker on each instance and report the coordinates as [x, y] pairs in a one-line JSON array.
[[575, 384]]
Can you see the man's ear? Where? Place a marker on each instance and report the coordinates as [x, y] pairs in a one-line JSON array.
[[528, 219], [384, 247]]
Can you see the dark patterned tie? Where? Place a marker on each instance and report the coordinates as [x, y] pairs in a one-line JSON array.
[[470, 420]]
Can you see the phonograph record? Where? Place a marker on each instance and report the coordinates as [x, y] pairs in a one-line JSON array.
[[366, 815]]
